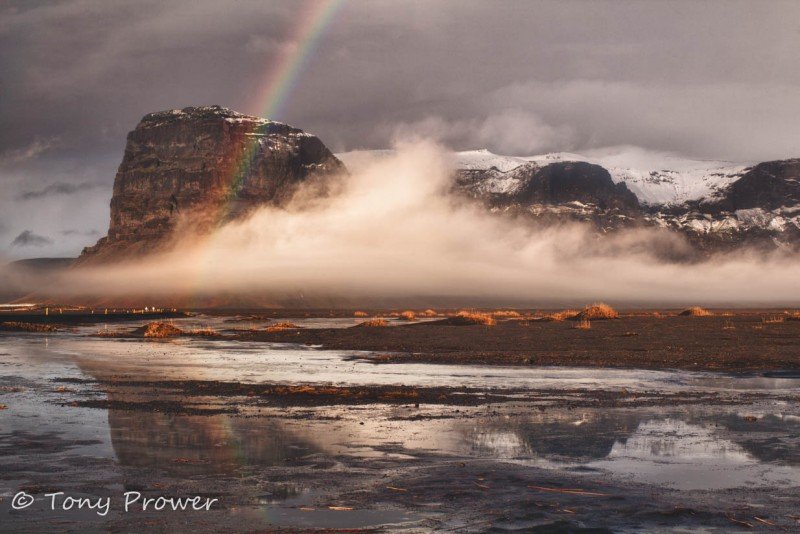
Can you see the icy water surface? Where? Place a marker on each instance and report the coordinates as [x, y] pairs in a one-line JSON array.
[[362, 465]]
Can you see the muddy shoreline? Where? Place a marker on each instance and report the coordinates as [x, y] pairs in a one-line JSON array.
[[177, 396], [751, 341]]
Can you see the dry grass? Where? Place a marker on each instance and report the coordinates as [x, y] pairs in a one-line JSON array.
[[773, 319], [374, 323], [407, 315], [507, 314], [793, 316], [465, 317], [205, 331], [360, 314], [158, 329], [583, 324], [695, 311], [560, 316], [278, 327], [597, 311], [429, 313]]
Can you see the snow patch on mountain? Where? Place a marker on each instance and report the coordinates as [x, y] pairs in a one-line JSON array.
[[666, 186], [655, 178], [682, 181], [483, 159]]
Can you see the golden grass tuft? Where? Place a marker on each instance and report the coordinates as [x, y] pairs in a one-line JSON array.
[[507, 314], [695, 311], [159, 329], [429, 313], [360, 314], [374, 323], [278, 327], [772, 319], [792, 316], [597, 311], [205, 331], [560, 316], [465, 317], [407, 315]]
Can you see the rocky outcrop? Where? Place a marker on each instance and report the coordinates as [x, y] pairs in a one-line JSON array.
[[769, 186], [198, 167], [760, 209], [553, 193], [570, 181]]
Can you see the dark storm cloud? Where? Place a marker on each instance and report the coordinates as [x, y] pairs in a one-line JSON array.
[[714, 79], [58, 188], [29, 239]]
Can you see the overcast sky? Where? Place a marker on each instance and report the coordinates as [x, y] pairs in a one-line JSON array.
[[707, 79]]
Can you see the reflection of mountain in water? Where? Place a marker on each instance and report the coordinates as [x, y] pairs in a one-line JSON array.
[[555, 435], [200, 444], [189, 444], [691, 456], [674, 440], [642, 446], [783, 432]]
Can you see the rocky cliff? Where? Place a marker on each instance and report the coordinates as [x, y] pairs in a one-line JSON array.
[[760, 208], [200, 166], [553, 193]]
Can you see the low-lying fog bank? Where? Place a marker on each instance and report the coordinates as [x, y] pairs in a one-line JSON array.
[[390, 232]]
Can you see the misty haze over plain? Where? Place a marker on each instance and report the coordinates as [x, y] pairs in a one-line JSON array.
[[701, 79], [390, 231]]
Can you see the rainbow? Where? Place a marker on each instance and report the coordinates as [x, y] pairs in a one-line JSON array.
[[276, 89], [281, 79], [277, 86]]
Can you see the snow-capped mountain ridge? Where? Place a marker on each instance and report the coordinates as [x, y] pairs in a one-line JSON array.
[[715, 205], [666, 180], [687, 180]]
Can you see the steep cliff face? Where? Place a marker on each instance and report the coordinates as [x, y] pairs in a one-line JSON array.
[[771, 185], [577, 181], [200, 166], [759, 209], [553, 193]]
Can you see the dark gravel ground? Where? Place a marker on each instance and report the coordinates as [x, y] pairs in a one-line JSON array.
[[742, 341]]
